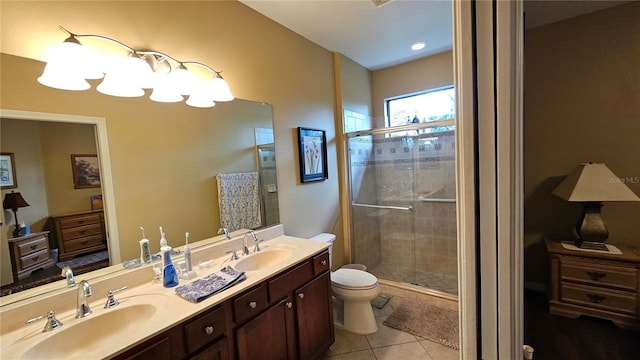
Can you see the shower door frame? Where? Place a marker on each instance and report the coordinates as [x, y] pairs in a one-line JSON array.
[[382, 131]]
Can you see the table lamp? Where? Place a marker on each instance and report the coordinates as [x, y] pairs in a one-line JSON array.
[[591, 184], [14, 201]]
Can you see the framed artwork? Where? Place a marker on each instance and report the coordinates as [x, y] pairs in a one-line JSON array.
[[96, 202], [86, 171], [312, 148], [7, 171]]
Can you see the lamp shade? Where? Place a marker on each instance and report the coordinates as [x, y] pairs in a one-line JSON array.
[[594, 182], [14, 201]]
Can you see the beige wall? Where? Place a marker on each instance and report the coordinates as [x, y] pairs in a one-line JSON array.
[[260, 59], [582, 103], [419, 75]]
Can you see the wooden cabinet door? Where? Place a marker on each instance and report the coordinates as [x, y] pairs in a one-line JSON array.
[[314, 312], [270, 335]]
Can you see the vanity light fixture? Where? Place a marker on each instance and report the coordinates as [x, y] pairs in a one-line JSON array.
[[70, 64]]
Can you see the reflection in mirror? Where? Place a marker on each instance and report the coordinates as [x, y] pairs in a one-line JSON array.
[[163, 161]]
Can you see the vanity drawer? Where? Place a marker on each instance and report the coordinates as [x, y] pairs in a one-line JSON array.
[[600, 275], [321, 263], [84, 243], [34, 259], [204, 329], [75, 221], [32, 246], [283, 285], [81, 231], [604, 299], [250, 303]]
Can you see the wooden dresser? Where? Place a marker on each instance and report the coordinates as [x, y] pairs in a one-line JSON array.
[[598, 284], [28, 253], [80, 233]]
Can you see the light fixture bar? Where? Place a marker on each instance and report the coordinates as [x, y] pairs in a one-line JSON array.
[[127, 77]]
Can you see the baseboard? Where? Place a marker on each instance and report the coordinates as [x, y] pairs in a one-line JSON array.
[[535, 286]]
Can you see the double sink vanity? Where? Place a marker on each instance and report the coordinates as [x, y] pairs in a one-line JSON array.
[[282, 310]]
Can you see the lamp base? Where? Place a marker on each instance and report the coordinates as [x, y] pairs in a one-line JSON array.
[[591, 245]]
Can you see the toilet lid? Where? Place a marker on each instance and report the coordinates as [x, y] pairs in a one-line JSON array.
[[353, 279]]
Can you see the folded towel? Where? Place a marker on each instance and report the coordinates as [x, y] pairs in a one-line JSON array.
[[211, 284]]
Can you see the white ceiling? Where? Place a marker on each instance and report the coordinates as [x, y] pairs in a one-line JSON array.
[[380, 36]]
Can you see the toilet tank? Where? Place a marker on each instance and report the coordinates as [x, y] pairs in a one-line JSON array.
[[326, 237]]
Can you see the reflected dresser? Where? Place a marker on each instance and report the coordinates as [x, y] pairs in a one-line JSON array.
[[28, 253], [79, 233]]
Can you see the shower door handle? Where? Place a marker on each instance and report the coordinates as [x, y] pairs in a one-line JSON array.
[[406, 208]]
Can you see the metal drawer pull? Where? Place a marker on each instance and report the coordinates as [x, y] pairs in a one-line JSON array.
[[35, 258], [301, 295], [253, 304], [595, 298], [33, 247], [323, 262], [289, 304], [208, 330], [595, 275]]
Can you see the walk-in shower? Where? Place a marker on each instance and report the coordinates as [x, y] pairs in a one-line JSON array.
[[403, 205]]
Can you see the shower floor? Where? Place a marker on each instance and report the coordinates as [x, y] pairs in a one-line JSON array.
[[431, 280]]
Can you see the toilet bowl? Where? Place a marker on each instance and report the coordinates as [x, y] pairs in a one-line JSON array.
[[353, 290]]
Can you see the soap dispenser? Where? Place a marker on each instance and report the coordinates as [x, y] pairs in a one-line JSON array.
[[169, 273]]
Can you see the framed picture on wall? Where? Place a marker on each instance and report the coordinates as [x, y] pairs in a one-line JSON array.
[[8, 171], [86, 171], [312, 152]]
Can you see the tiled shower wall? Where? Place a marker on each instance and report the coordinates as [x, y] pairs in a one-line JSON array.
[[417, 246]]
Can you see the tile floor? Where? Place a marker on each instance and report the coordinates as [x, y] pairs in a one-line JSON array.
[[387, 343]]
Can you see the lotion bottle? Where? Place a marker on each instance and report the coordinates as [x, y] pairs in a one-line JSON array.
[[169, 273], [145, 252]]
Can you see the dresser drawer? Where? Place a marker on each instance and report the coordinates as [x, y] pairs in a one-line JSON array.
[[600, 298], [33, 259], [32, 246], [250, 304], [204, 329], [81, 231], [79, 220], [600, 275], [84, 243]]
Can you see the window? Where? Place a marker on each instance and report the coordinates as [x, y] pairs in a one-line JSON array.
[[432, 105]]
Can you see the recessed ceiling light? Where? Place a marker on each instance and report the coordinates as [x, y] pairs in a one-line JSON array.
[[418, 46]]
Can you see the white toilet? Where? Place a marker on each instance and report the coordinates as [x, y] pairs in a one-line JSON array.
[[353, 290]]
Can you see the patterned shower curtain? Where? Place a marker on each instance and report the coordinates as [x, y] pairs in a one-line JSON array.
[[239, 200]]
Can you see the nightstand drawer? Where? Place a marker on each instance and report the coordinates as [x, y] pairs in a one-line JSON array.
[[600, 275], [34, 259], [605, 299], [30, 247], [75, 221]]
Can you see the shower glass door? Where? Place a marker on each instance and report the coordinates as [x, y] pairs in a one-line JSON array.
[[403, 219]]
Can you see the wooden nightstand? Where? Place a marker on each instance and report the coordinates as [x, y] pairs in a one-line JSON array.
[[28, 253], [602, 285]]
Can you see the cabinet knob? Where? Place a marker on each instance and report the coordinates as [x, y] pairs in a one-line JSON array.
[[596, 275], [253, 304], [289, 304], [323, 262], [596, 298], [301, 295], [208, 330]]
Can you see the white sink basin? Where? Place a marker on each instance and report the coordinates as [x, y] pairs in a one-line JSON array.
[[78, 340], [262, 259]]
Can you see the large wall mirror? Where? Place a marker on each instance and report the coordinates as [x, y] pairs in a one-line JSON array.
[[158, 161]]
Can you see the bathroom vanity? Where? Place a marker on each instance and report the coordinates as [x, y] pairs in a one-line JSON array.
[[282, 310]]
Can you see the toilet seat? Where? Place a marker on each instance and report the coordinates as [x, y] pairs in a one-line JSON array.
[[351, 279]]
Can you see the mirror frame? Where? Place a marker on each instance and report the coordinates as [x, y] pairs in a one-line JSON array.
[[102, 144]]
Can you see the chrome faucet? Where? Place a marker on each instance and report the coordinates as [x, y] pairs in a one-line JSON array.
[[84, 291], [224, 231], [256, 242], [68, 274]]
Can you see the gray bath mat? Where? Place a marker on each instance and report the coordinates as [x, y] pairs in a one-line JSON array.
[[380, 301], [427, 321]]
